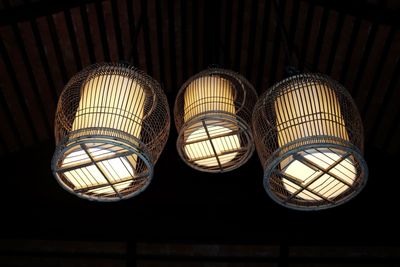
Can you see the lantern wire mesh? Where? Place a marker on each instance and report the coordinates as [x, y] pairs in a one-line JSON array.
[[212, 115], [309, 137], [111, 124]]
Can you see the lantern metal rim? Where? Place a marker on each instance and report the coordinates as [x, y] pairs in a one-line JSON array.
[[137, 149], [277, 157], [223, 117]]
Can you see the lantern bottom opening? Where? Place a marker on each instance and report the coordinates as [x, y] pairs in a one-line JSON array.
[[313, 176], [215, 142], [102, 167]]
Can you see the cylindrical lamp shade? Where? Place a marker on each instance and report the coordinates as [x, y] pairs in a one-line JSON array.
[[112, 123], [212, 114], [309, 137]]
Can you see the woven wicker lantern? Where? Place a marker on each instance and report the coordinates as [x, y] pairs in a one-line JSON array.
[[212, 114], [309, 137], [111, 125]]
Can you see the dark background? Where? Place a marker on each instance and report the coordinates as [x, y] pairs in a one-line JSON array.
[[185, 217]]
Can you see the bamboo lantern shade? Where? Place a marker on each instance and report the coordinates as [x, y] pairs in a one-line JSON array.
[[112, 122], [212, 114], [309, 137]]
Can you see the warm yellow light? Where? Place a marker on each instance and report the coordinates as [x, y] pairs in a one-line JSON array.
[[327, 185], [306, 110], [209, 141], [116, 170], [103, 105], [203, 149]]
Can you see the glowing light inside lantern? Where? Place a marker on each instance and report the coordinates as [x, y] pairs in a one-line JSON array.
[[307, 110], [211, 143]]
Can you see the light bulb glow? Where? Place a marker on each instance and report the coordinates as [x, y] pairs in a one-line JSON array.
[[218, 147], [111, 101], [99, 175], [107, 101], [309, 172], [200, 147], [111, 125], [306, 110]]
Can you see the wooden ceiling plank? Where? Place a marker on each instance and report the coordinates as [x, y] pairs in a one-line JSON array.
[[327, 45], [195, 36], [90, 15], [88, 35], [312, 42], [208, 34], [15, 63], [284, 58], [160, 41], [281, 65], [238, 29], [385, 98], [57, 48], [73, 38], [35, 62], [108, 28], [376, 10], [293, 16], [320, 39], [124, 25], [372, 67], [200, 30], [38, 8], [278, 10], [28, 82], [253, 65], [133, 33], [350, 47], [179, 63], [190, 38], [389, 113], [66, 48], [163, 12], [146, 37], [141, 47], [266, 32], [335, 43], [269, 48], [248, 29], [116, 16], [81, 40], [299, 33], [50, 47], [357, 49], [306, 35], [340, 53], [172, 43], [220, 34], [366, 54], [226, 21], [101, 29], [18, 115], [153, 37], [378, 70], [51, 87]]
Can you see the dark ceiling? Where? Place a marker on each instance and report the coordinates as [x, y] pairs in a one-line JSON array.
[[44, 43]]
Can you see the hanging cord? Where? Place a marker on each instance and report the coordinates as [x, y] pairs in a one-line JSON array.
[[290, 68]]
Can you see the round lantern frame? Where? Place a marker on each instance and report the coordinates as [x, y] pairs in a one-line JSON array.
[[244, 99], [272, 154], [139, 152]]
